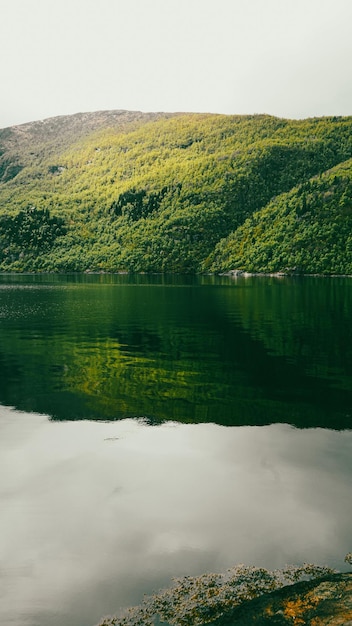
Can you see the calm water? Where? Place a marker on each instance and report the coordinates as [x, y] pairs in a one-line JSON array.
[[251, 351], [167, 426]]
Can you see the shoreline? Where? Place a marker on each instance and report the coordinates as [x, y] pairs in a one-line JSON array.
[[230, 274]]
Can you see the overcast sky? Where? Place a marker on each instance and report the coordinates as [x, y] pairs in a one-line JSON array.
[[290, 58]]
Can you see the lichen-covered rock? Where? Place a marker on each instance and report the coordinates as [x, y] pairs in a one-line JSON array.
[[324, 602]]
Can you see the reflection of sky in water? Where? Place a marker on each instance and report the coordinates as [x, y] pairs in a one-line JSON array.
[[95, 514]]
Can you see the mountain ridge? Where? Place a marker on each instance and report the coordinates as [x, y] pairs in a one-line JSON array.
[[176, 192]]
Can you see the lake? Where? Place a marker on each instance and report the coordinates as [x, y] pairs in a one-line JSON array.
[[160, 426]]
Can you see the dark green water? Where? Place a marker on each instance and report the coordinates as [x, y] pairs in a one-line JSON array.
[[234, 352]]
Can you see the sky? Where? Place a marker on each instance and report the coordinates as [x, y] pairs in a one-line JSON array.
[[289, 58]]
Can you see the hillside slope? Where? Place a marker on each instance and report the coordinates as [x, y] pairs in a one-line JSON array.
[[306, 230], [129, 191]]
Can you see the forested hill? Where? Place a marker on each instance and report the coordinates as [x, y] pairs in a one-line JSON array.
[[160, 192]]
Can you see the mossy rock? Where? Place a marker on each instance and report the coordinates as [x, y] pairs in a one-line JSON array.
[[324, 602]]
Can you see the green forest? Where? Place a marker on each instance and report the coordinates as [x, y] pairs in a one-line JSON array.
[[120, 191]]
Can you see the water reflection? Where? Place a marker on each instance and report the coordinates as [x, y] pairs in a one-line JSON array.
[[243, 352], [94, 514]]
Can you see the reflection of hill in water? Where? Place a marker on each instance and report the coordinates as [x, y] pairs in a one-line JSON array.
[[304, 320], [250, 352]]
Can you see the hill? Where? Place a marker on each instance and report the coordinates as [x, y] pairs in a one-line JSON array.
[[156, 192]]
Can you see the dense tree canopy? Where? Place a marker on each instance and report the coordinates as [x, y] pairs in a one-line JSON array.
[[120, 191]]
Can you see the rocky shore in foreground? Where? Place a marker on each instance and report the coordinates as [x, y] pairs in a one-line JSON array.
[[324, 602]]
